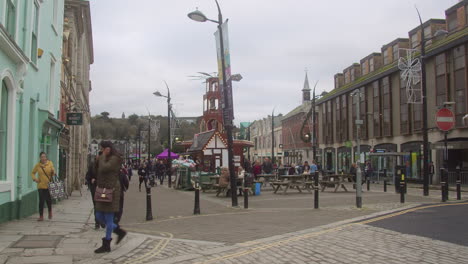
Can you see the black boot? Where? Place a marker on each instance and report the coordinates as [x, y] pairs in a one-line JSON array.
[[120, 233], [105, 246]]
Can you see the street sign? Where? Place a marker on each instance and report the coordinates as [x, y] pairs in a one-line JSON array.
[[75, 119], [445, 119]]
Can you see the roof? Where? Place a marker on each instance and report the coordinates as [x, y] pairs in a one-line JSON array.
[[303, 108], [200, 140]]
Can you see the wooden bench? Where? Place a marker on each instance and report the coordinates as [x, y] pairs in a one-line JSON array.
[[277, 185]]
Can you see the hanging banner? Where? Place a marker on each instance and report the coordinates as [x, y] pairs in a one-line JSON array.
[[228, 112]]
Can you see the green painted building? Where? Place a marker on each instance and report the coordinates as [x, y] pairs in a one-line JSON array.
[[30, 72]]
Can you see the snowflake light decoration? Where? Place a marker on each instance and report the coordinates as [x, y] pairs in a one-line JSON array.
[[411, 73]]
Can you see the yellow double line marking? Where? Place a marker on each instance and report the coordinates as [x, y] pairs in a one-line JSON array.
[[309, 235], [153, 252]]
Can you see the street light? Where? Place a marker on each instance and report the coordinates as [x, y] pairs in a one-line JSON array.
[[200, 17], [357, 96], [169, 161], [424, 105]]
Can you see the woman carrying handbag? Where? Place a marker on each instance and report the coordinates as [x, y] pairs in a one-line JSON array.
[[45, 169], [108, 192]]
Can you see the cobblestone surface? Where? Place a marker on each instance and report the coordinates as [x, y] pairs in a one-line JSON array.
[[347, 243]]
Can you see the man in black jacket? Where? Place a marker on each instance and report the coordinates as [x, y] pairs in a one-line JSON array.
[[91, 182]]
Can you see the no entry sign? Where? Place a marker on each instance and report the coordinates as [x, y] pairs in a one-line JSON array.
[[445, 119]]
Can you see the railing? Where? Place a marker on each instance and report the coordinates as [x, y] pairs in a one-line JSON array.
[[452, 179]]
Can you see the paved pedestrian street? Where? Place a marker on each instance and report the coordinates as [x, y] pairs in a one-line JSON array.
[[276, 229], [347, 242]]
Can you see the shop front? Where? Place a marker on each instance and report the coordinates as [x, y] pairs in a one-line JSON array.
[[413, 160], [384, 162], [329, 164], [344, 159]]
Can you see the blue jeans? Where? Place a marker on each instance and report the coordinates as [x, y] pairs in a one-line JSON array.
[[108, 219]]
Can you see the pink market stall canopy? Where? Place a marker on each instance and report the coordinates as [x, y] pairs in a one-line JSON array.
[[164, 155]]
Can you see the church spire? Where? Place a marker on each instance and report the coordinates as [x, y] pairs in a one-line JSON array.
[[306, 89]]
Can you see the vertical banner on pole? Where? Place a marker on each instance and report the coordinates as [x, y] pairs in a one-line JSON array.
[[228, 114]]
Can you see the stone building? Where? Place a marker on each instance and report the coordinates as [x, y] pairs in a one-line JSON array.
[[390, 122], [261, 135], [77, 56]]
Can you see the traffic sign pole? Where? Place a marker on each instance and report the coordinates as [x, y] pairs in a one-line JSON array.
[[445, 120]]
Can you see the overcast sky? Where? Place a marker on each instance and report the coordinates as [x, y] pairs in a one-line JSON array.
[[139, 44]]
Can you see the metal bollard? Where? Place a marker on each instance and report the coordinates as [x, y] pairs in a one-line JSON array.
[[316, 190], [368, 184], [385, 185], [442, 184], [458, 185], [149, 213], [402, 188], [196, 208]]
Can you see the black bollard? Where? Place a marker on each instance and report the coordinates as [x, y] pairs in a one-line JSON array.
[[458, 184], [442, 184], [368, 184], [385, 185], [196, 209], [402, 192], [402, 188], [316, 190], [246, 198], [149, 213]]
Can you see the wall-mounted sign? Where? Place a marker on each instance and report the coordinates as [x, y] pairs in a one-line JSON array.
[[75, 119]]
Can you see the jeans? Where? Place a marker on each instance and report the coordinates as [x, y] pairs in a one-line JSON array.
[[44, 196], [108, 219]]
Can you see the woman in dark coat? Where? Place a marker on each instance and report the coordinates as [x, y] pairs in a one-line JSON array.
[[108, 176]]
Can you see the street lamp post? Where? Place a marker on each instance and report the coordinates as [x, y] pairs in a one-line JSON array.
[[169, 160], [200, 17], [273, 136], [424, 105], [357, 96]]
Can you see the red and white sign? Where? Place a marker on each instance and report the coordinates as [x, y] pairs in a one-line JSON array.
[[445, 119]]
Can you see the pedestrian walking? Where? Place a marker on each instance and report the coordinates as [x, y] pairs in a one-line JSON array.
[[108, 178], [141, 175], [160, 170], [124, 184], [91, 182], [45, 169], [130, 172]]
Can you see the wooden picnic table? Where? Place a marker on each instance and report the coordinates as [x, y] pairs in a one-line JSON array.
[[336, 181], [267, 179], [289, 181]]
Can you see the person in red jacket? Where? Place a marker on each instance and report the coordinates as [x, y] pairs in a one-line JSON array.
[[257, 168]]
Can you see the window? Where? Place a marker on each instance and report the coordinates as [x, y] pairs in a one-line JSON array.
[[428, 35], [3, 130], [385, 57], [353, 74], [395, 52], [347, 77], [415, 40], [338, 119], [371, 64], [376, 101], [363, 112], [404, 118], [364, 67], [329, 132], [452, 21], [35, 31], [55, 15], [387, 107], [52, 86], [344, 118], [459, 61], [441, 79], [10, 19]]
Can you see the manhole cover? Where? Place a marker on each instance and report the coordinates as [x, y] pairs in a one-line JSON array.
[[37, 241]]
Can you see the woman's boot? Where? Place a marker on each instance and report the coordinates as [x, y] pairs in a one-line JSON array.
[[105, 246], [120, 233]]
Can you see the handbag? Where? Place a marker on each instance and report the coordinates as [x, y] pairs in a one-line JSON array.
[[56, 187], [103, 195]]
